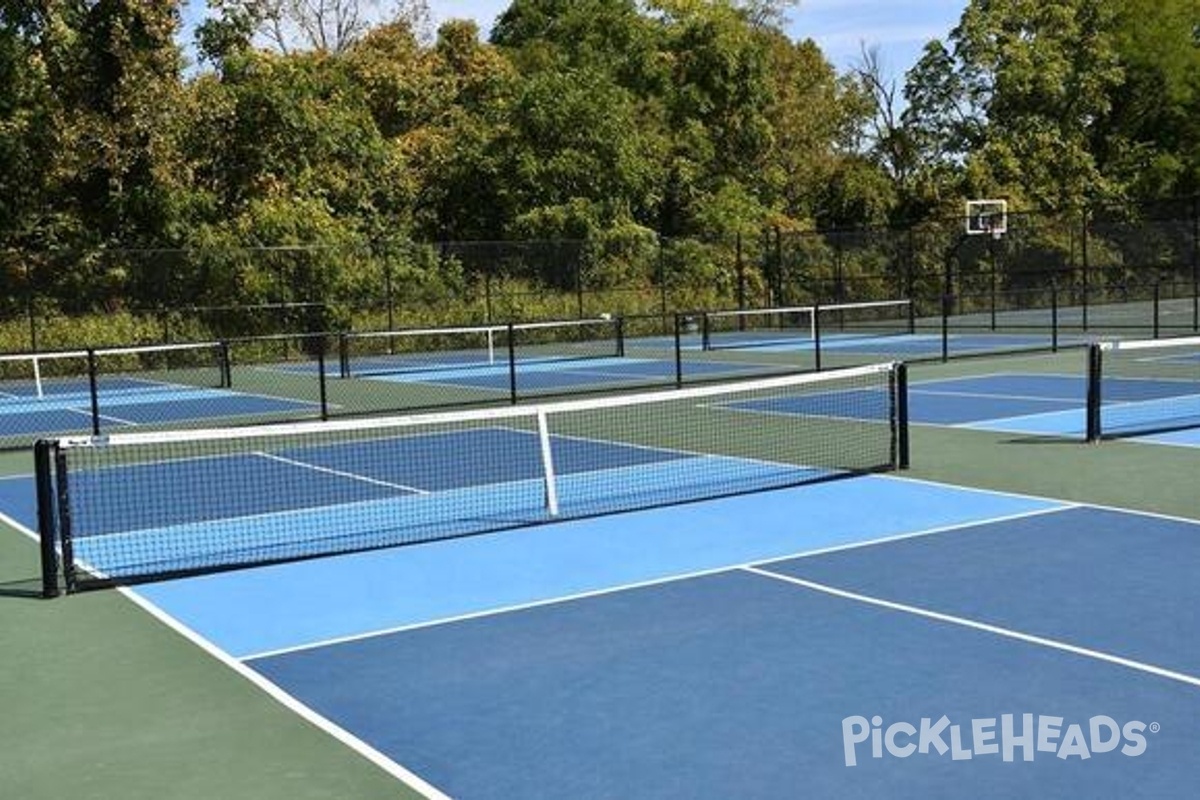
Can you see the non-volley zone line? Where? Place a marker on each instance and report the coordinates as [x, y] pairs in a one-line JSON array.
[[444, 580]]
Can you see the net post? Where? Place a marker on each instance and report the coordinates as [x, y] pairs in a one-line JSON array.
[[323, 389], [225, 363], [547, 464], [816, 335], [900, 413], [94, 390], [678, 350], [62, 512], [619, 321], [1053, 316], [344, 355], [512, 362], [1095, 368], [43, 456]]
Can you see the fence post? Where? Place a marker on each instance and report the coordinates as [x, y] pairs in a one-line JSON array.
[[94, 391], [1196, 262], [992, 279], [1157, 297], [512, 362], [780, 271], [1053, 315], [678, 350], [662, 275], [741, 271], [816, 312], [322, 347], [389, 292], [1083, 253], [579, 256]]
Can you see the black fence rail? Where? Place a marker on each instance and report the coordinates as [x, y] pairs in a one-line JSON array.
[[1098, 261]]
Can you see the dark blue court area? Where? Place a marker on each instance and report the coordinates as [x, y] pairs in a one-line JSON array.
[[870, 637], [731, 649], [65, 406]]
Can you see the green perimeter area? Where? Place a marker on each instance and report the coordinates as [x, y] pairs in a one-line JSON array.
[[101, 700]]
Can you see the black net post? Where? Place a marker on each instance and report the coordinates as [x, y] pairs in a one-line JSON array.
[[322, 344], [1095, 367], [43, 459], [225, 366], [94, 391], [900, 404], [620, 328], [343, 355], [62, 515]]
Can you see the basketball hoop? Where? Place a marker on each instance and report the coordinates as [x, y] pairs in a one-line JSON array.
[[987, 218]]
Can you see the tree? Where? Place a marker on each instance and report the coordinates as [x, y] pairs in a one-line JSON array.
[[1154, 140], [329, 26], [1045, 72]]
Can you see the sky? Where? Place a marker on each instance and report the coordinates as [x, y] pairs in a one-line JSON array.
[[900, 28]]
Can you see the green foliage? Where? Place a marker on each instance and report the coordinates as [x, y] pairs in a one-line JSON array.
[[301, 173]]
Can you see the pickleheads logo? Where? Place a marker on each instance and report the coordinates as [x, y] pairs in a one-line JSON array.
[[983, 737]]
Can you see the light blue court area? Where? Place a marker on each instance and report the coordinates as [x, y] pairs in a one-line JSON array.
[[717, 649], [1032, 404], [1184, 438], [66, 407]]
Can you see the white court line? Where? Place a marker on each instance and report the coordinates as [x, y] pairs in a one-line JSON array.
[[996, 396], [388, 765], [87, 413], [551, 601], [1040, 498], [964, 622], [339, 473], [276, 693]]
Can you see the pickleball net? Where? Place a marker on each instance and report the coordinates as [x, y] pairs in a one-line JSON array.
[[744, 328], [140, 506], [450, 350], [1143, 387]]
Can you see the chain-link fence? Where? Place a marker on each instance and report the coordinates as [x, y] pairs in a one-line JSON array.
[[1103, 269]]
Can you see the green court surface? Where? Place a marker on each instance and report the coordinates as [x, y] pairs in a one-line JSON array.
[[102, 700]]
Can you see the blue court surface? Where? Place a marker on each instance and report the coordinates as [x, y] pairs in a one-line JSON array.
[[1030, 404], [868, 637], [65, 406], [803, 642]]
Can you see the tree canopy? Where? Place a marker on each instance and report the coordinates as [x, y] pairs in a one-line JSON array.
[[685, 118]]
